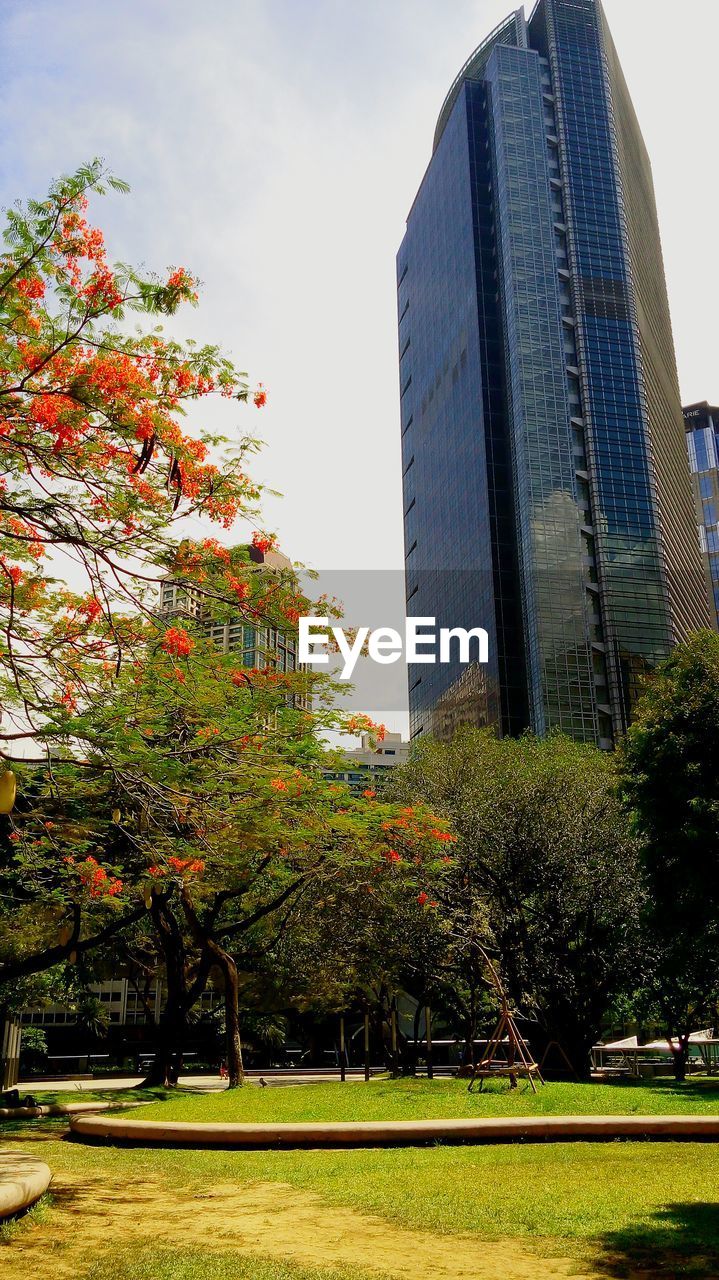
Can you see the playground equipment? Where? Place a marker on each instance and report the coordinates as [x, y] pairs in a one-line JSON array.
[[507, 1055]]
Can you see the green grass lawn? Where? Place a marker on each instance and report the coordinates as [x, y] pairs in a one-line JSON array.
[[434, 1099], [164, 1264], [600, 1200], [614, 1206]]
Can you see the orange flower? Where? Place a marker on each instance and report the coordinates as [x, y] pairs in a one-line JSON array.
[[264, 542], [177, 642]]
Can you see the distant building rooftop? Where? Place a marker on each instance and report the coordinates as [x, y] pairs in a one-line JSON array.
[[368, 763]]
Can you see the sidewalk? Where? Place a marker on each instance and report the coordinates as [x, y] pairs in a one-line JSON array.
[[212, 1084]]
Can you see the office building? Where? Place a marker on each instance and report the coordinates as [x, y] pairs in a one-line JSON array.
[[370, 764], [702, 435], [546, 494]]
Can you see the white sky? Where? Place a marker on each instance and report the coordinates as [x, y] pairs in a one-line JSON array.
[[275, 148]]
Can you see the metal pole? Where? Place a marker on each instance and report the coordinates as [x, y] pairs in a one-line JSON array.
[[343, 1062], [428, 1036], [366, 1045]]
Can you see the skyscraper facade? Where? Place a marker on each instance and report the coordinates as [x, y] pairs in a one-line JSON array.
[[546, 494], [702, 435]]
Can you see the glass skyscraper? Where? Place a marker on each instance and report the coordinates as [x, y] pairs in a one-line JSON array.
[[702, 428], [546, 493]]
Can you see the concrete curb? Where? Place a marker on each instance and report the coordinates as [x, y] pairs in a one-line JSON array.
[[64, 1109], [23, 1179], [398, 1132]]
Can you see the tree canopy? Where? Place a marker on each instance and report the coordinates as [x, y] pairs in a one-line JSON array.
[[670, 769], [545, 873], [95, 467]]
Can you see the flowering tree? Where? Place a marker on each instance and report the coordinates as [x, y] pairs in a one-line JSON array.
[[201, 810], [181, 791], [96, 476], [367, 939], [95, 468]]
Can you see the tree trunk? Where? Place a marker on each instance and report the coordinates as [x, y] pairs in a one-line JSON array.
[[172, 1026], [680, 1056], [167, 1061], [393, 1041], [235, 1065], [470, 1033], [215, 954]]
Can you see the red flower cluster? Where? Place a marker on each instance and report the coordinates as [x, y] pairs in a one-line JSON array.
[[239, 586], [182, 280], [177, 642], [13, 571], [264, 542], [216, 549], [182, 866], [186, 866], [424, 900], [260, 397], [68, 697], [363, 724], [30, 288], [96, 880], [101, 290], [90, 608]]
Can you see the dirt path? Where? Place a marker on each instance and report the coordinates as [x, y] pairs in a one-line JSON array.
[[264, 1218]]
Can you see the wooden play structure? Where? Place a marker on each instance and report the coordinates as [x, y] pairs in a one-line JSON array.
[[507, 1054]]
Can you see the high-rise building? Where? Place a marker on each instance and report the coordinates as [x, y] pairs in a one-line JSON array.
[[702, 432], [546, 494], [256, 643]]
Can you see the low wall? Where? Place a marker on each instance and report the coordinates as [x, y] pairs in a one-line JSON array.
[[23, 1179], [397, 1132], [64, 1109]]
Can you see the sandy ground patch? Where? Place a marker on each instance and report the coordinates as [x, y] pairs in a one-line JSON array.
[[264, 1218]]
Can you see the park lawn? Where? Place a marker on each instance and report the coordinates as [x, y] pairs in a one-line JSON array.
[[164, 1264], [564, 1191], [613, 1205], [610, 1206], [433, 1099]]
